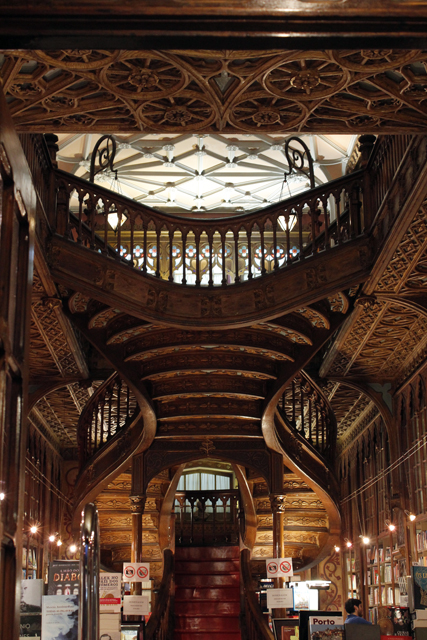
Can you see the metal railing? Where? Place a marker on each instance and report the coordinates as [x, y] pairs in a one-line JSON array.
[[88, 628]]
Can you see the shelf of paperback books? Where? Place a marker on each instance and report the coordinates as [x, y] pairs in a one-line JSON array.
[[385, 565], [420, 531], [352, 573]]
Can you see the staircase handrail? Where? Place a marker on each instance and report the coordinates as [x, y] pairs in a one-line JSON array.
[[326, 446], [87, 447], [160, 624], [253, 619]]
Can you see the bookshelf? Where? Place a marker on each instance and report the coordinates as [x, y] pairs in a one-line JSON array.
[[420, 542], [352, 573], [385, 565]]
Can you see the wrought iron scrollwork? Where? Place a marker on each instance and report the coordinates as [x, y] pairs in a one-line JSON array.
[[296, 160], [105, 155]]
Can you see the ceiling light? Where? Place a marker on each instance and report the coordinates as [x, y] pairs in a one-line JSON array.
[[287, 223]]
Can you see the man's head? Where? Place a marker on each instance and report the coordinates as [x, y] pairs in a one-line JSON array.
[[354, 606]]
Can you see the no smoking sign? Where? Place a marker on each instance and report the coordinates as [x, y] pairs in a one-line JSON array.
[[279, 567], [136, 571]]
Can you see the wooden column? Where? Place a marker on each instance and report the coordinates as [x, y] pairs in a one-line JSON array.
[[137, 500], [278, 509], [17, 230]]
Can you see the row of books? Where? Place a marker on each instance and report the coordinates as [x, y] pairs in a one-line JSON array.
[[384, 596]]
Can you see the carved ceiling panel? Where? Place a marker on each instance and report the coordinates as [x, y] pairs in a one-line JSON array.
[[389, 337], [217, 91]]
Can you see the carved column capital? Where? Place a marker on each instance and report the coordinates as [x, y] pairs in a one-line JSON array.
[[277, 503], [137, 504]]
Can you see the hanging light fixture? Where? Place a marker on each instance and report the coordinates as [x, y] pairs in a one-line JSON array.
[[287, 223], [113, 218]]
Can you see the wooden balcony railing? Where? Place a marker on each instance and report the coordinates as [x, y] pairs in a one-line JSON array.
[[112, 407], [219, 251], [307, 412], [207, 517], [210, 252]]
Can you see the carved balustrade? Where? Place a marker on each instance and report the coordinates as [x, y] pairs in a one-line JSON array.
[[254, 624], [211, 252], [111, 408], [204, 517], [306, 411], [160, 624]]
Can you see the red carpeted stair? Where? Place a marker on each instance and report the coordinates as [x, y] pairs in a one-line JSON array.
[[207, 595]]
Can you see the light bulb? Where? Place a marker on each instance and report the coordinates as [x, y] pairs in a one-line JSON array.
[[51, 538], [365, 540], [73, 548], [33, 529], [59, 543], [2, 496], [392, 527], [349, 544], [337, 549], [412, 517]]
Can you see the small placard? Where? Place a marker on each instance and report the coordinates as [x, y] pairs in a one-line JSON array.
[[136, 571], [136, 605], [280, 599], [279, 567], [110, 597]]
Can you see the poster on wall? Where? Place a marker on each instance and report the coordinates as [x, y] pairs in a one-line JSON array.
[[64, 576], [30, 620], [60, 617], [110, 596]]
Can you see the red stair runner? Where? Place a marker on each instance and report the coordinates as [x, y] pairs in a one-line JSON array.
[[207, 595]]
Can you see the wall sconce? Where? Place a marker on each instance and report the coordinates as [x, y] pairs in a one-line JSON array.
[[348, 543], [33, 529], [390, 525], [337, 549], [411, 516], [365, 539]]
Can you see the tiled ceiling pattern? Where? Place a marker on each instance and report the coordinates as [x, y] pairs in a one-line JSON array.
[[204, 173], [369, 91]]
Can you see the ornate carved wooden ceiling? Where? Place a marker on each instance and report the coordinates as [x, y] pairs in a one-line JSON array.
[[389, 338], [343, 91]]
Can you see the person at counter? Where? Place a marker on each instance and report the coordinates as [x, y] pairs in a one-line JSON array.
[[353, 606]]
